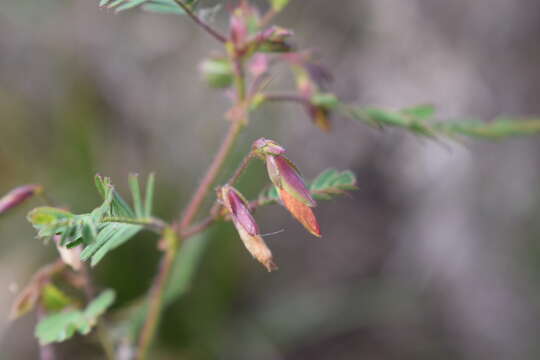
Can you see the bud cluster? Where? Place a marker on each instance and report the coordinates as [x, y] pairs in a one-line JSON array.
[[293, 193]]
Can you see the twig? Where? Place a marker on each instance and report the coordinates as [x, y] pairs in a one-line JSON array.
[[156, 294], [200, 22], [286, 97], [243, 166]]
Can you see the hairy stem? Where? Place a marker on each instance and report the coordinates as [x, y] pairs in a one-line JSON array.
[[200, 22]]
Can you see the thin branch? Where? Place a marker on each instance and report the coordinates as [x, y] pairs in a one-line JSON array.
[[286, 97], [200, 22], [197, 228], [243, 166], [222, 154], [156, 294]]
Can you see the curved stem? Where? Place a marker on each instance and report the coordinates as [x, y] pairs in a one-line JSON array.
[[223, 152], [211, 174], [171, 235]]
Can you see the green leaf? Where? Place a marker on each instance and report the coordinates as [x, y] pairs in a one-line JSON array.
[[48, 216], [420, 112], [325, 100], [332, 182], [133, 181], [63, 325], [124, 233], [59, 327], [54, 299], [163, 8], [149, 195], [279, 5], [129, 5], [419, 120], [99, 305], [95, 229]]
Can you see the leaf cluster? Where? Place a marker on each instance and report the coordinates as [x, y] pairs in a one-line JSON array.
[[105, 228]]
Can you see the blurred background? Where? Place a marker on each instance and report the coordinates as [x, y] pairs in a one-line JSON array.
[[436, 256]]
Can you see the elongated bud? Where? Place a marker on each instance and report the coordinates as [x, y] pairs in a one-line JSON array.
[[18, 195], [246, 226], [301, 212], [293, 192], [243, 23], [70, 256]]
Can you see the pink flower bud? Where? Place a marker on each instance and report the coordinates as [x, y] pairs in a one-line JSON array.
[[293, 192], [244, 22], [285, 176], [18, 195], [246, 226]]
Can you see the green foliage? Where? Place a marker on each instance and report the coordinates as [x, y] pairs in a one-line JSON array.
[[332, 182], [106, 227], [54, 299], [326, 185], [63, 325], [420, 121], [158, 6], [279, 5]]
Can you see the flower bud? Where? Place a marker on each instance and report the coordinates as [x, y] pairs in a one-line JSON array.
[[267, 147], [291, 187], [246, 226], [244, 22], [18, 195], [274, 39], [217, 72]]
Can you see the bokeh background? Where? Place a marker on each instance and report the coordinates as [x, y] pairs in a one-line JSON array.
[[437, 254]]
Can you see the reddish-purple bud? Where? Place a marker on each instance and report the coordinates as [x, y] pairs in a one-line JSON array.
[[292, 190], [246, 226], [18, 195], [284, 175]]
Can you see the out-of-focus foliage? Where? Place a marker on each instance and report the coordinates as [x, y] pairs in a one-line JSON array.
[[63, 325]]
